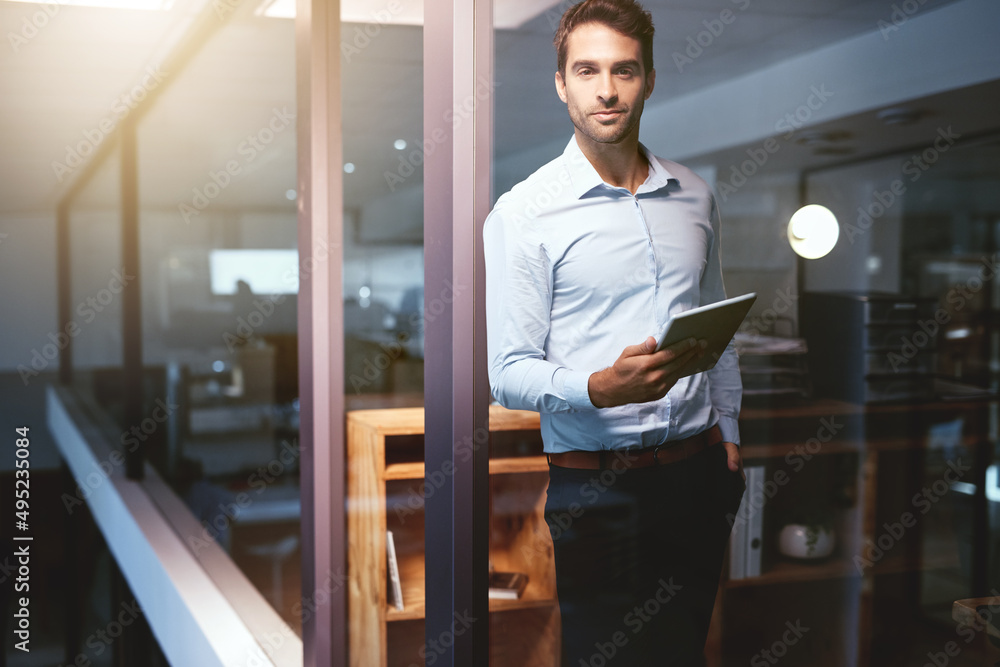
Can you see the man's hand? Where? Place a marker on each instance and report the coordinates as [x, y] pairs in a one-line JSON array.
[[641, 375], [735, 459]]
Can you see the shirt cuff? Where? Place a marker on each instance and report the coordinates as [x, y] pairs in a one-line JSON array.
[[730, 428], [575, 388]]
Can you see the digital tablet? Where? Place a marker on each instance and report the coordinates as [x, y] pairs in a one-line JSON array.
[[716, 323]]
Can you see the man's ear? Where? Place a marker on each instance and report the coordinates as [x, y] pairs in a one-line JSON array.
[[650, 82], [560, 86]]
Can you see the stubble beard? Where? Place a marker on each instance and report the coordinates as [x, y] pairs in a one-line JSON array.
[[607, 134]]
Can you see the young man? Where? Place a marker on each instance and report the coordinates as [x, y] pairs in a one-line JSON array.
[[594, 251]]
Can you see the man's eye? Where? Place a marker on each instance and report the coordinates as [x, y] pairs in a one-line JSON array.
[[625, 72]]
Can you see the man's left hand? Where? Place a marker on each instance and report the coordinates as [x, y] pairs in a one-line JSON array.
[[735, 459]]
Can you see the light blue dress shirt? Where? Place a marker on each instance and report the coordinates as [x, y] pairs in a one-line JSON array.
[[576, 270]]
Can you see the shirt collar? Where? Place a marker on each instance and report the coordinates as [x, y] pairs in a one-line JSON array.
[[585, 178]]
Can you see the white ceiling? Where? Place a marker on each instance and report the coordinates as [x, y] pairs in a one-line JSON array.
[[65, 79]]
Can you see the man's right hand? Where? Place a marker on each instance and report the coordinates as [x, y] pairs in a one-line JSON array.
[[641, 375]]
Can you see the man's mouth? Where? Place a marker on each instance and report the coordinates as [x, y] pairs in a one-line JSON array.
[[607, 115]]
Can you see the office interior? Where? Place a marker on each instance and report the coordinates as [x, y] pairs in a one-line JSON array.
[[161, 358]]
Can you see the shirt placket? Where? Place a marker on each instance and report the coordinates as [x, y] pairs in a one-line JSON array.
[[659, 317]]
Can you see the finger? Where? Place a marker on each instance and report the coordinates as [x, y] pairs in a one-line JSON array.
[[677, 349], [645, 347], [678, 363]]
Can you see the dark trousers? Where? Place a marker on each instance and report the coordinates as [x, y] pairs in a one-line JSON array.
[[638, 555]]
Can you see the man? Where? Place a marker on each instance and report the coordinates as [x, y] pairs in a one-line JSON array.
[[592, 252]]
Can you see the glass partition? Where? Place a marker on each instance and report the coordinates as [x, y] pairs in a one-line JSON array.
[[854, 414], [97, 281], [220, 270], [384, 148]]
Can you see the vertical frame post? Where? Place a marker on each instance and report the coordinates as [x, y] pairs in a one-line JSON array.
[[131, 296], [458, 55], [321, 333]]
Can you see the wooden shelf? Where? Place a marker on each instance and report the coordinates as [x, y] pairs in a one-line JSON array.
[[410, 421], [411, 574], [788, 571], [513, 465]]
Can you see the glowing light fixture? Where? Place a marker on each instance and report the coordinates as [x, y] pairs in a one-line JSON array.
[[813, 231]]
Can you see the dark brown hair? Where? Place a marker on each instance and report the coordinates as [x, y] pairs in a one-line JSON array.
[[624, 16]]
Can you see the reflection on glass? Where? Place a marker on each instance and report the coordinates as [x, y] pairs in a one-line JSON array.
[[384, 313], [220, 275]]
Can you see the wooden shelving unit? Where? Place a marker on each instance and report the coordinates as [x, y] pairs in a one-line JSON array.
[[385, 460], [518, 488]]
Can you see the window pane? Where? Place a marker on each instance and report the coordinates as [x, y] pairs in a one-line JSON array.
[[218, 234], [851, 362]]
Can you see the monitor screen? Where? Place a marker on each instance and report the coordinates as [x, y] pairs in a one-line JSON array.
[[267, 271]]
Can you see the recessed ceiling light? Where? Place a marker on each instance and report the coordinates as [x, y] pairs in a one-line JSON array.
[[833, 150], [290, 195], [400, 144], [349, 167], [822, 137], [899, 116]]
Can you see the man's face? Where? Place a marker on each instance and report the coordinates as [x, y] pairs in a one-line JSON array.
[[605, 85]]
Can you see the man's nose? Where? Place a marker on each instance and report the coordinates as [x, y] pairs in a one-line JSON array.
[[607, 91]]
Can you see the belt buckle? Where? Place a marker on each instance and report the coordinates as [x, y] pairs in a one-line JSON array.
[[656, 453]]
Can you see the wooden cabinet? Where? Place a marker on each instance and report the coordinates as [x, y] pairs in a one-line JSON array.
[[872, 458]]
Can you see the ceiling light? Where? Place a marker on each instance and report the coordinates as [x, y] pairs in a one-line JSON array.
[[822, 137], [813, 231], [899, 116], [348, 167], [290, 195], [400, 144]]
